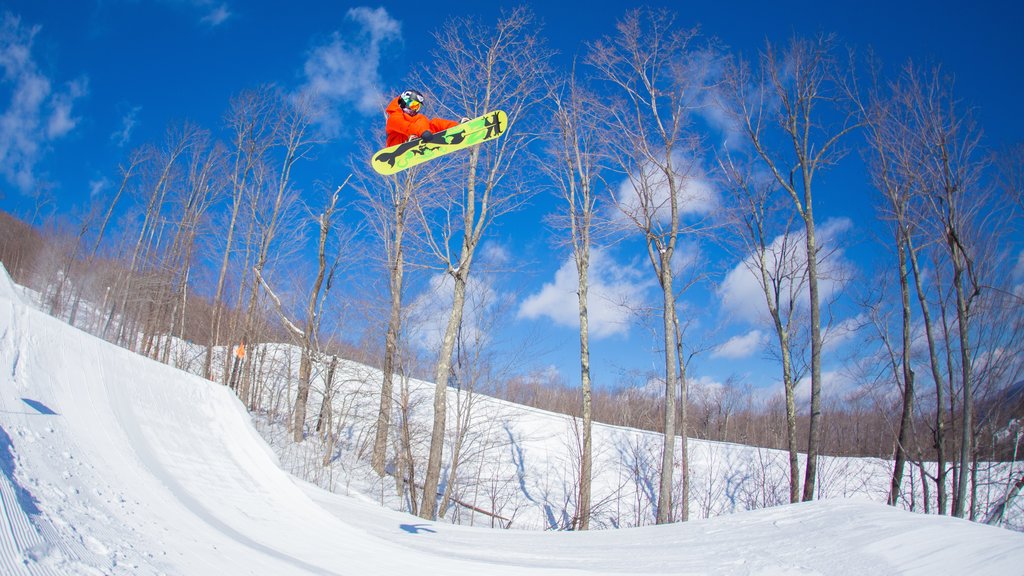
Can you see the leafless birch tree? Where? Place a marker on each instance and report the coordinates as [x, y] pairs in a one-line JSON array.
[[388, 205], [477, 69], [273, 197], [769, 248], [656, 72], [887, 162], [308, 334], [249, 120], [576, 148], [948, 160], [792, 112]]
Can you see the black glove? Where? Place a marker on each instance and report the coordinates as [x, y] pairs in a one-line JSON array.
[[427, 136]]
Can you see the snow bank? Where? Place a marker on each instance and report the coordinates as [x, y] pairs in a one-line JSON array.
[[114, 464]]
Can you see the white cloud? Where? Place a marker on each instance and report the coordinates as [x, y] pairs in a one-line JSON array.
[[345, 72], [495, 254], [742, 346], [741, 294], [728, 126], [61, 122], [614, 292], [842, 332], [837, 385], [648, 192], [686, 257], [213, 13], [128, 122], [36, 114], [97, 186], [430, 311], [216, 16]]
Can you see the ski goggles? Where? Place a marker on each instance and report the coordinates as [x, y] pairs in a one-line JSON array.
[[412, 100]]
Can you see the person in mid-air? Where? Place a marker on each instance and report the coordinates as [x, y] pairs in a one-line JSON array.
[[406, 123]]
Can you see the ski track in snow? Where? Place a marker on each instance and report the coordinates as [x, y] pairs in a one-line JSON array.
[[114, 464]]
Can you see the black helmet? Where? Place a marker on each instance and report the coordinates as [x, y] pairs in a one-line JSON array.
[[411, 101]]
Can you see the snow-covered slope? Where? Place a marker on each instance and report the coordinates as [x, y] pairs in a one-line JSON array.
[[114, 464]]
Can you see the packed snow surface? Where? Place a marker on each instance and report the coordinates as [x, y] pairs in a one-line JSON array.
[[114, 464]]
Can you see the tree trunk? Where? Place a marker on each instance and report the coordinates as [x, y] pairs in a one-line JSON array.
[[967, 420], [668, 450], [380, 441], [324, 422], [908, 374], [939, 432], [391, 338], [586, 458], [684, 454], [791, 440], [428, 508], [814, 433], [302, 395]]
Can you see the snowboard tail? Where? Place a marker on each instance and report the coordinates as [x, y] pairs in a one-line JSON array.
[[415, 152]]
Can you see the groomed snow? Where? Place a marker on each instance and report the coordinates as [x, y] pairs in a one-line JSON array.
[[114, 464]]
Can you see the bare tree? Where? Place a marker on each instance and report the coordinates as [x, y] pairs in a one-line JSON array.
[[799, 91], [273, 198], [577, 148], [656, 72], [1010, 164], [387, 204], [930, 164], [308, 335], [769, 252], [249, 119], [948, 163], [886, 161], [127, 172], [477, 363], [478, 69], [197, 191], [141, 279]]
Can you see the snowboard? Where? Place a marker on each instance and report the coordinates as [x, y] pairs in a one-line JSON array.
[[408, 154]]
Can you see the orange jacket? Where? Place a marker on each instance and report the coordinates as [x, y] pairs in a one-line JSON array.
[[401, 126]]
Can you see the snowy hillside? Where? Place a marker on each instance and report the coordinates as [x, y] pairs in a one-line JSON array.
[[114, 464], [518, 466]]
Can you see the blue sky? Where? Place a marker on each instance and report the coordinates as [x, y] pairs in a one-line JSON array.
[[86, 81]]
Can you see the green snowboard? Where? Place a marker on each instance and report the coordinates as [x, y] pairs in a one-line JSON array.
[[408, 154]]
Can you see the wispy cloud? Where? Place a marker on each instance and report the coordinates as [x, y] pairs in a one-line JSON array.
[[216, 16], [344, 72], [615, 292], [212, 13], [36, 113], [741, 294], [648, 192], [97, 186], [128, 122], [742, 346], [843, 332], [430, 311]]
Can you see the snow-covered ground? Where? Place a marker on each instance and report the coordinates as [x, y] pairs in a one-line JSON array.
[[115, 464]]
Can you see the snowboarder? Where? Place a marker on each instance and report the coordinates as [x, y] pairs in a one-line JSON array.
[[406, 123]]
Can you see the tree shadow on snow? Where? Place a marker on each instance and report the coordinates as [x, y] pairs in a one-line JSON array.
[[417, 528], [39, 407], [26, 501]]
